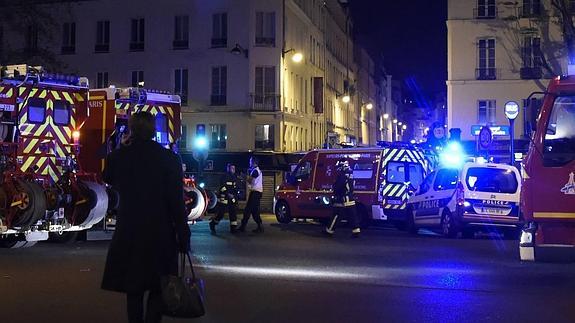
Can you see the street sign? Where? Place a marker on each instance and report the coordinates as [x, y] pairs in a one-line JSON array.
[[511, 110], [485, 138], [495, 130]]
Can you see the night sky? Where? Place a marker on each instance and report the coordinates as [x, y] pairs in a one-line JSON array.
[[411, 35]]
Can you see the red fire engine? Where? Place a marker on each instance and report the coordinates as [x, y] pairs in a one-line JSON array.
[[548, 194]]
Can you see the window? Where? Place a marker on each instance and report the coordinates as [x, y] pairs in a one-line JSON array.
[[218, 136], [426, 185], [265, 137], [559, 145], [486, 112], [486, 59], [220, 30], [181, 32], [363, 171], [32, 38], [219, 85], [531, 8], [102, 36], [486, 9], [137, 35], [265, 29], [265, 88], [181, 85], [492, 180], [446, 179], [396, 173], [36, 110], [69, 38], [138, 78], [161, 129], [531, 55], [102, 80], [302, 172], [61, 113]]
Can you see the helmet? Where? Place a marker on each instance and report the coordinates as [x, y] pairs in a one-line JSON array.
[[342, 165]]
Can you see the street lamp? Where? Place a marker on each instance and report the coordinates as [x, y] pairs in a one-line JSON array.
[[297, 56], [400, 123], [238, 50], [386, 116], [394, 120], [369, 106], [404, 127]]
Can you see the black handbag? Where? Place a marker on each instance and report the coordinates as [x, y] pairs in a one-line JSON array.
[[183, 296]]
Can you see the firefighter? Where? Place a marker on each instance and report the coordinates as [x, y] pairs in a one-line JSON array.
[[227, 199], [343, 200]]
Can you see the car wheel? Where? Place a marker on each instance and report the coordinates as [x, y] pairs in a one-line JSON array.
[[411, 228], [448, 225], [282, 211]]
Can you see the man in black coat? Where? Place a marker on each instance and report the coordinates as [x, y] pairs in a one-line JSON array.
[[227, 199], [151, 227]]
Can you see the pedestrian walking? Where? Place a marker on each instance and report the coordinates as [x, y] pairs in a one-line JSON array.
[[343, 200], [255, 190], [227, 199], [151, 228]]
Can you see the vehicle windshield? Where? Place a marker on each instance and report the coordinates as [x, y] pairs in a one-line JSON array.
[[396, 173], [559, 147], [492, 180]]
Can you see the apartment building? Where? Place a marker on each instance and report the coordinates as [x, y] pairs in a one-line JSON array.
[[258, 74], [499, 51]]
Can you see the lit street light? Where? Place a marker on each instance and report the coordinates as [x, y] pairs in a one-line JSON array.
[[400, 123], [369, 106], [404, 127], [346, 99], [297, 57], [386, 116], [394, 120]]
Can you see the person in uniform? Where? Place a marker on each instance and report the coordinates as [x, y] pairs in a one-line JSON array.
[[255, 190], [343, 200], [227, 199]]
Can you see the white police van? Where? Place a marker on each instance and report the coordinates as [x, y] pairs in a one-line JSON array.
[[474, 197]]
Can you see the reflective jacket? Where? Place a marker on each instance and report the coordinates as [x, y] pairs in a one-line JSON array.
[[343, 190], [228, 189]]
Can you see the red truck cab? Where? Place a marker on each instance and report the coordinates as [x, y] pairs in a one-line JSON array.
[[548, 194]]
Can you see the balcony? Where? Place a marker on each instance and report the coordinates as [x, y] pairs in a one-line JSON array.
[[219, 42], [180, 44], [531, 73], [137, 47], [218, 100], [486, 73], [67, 50], [264, 102], [485, 12], [265, 41], [102, 48]]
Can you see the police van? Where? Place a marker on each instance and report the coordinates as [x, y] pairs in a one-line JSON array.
[[475, 197], [383, 179]]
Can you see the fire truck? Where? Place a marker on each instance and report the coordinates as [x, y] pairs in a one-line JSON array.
[[54, 137], [384, 179], [43, 190], [548, 170]]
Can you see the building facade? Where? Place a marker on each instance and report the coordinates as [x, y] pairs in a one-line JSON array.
[[499, 52], [257, 74]]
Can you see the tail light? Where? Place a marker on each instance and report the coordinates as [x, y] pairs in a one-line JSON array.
[[460, 194]]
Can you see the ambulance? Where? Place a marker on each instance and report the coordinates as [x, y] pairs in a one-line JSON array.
[[548, 196], [383, 176]]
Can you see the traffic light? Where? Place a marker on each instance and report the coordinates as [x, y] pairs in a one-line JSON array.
[[201, 142]]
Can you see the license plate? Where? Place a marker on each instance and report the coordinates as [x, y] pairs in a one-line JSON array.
[[494, 211], [394, 202]]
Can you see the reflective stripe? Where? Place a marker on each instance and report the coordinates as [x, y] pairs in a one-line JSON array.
[[330, 229], [229, 183], [350, 203], [356, 230], [234, 223]]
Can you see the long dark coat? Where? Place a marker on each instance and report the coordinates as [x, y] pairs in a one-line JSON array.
[[150, 218]]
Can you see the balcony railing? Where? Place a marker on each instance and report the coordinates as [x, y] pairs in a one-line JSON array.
[[264, 102], [218, 100], [180, 44], [531, 73], [219, 42], [485, 12], [102, 48], [265, 41], [486, 73], [531, 11]]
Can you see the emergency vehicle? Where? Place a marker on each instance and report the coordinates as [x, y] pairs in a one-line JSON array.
[[548, 196], [476, 196], [383, 176], [43, 189]]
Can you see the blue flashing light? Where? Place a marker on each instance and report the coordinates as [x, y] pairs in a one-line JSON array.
[[202, 185], [201, 142], [452, 156]]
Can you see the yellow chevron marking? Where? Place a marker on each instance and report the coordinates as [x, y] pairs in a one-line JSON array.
[[27, 163], [79, 97], [43, 94], [388, 188], [59, 134], [21, 91], [33, 93], [395, 190], [10, 92], [56, 95], [68, 97], [30, 145]]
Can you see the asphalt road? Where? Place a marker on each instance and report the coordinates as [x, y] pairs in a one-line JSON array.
[[292, 273]]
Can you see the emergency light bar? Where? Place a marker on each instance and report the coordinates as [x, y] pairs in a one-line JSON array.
[[142, 95]]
